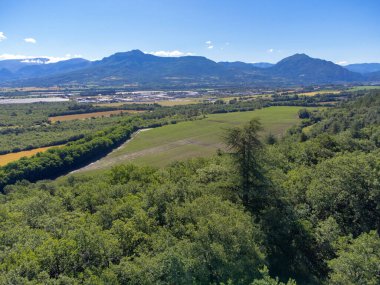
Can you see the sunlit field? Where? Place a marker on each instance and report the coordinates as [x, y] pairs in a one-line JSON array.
[[200, 138]]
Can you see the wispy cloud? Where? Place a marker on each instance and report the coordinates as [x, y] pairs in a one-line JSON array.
[[51, 59], [30, 40], [272, 50], [226, 44], [170, 53], [2, 36], [343, 62], [209, 45]]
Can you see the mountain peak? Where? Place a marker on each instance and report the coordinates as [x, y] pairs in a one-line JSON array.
[[124, 56], [297, 56], [135, 52], [303, 68], [131, 53], [301, 55]]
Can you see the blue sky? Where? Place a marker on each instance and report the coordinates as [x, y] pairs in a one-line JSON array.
[[223, 30]]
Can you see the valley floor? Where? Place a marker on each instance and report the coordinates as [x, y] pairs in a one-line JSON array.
[[200, 138]]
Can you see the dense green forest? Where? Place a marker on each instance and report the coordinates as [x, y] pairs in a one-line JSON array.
[[303, 209]]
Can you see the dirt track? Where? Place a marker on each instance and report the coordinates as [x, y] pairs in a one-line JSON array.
[[107, 160]]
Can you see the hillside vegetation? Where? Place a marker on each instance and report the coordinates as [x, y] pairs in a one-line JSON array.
[[303, 209]]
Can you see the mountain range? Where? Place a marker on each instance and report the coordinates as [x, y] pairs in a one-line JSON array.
[[135, 68], [364, 67]]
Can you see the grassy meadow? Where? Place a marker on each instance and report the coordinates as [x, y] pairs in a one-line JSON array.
[[365, 87], [200, 138]]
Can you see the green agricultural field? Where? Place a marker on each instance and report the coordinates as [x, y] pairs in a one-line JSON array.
[[365, 87], [160, 146]]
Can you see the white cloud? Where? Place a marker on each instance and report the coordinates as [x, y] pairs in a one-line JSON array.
[[29, 58], [30, 40], [270, 50], [2, 36], [170, 53], [343, 62], [12, 56], [209, 45]]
